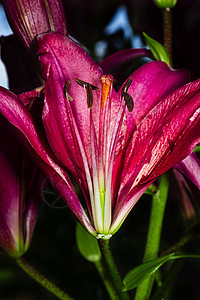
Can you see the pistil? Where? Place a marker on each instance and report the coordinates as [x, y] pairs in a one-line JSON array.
[[107, 81]]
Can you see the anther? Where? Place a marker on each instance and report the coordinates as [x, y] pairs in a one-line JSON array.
[[125, 96], [107, 81], [127, 85], [84, 84], [89, 87], [129, 101], [89, 96], [66, 91]]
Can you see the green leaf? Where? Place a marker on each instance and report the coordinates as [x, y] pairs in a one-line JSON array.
[[87, 244], [157, 49], [137, 275], [183, 255]]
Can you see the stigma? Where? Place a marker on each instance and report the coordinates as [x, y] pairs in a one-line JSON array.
[[107, 81]]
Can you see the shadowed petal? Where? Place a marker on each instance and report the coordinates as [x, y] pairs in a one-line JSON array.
[[185, 203], [190, 167], [118, 62], [33, 184], [7, 242]]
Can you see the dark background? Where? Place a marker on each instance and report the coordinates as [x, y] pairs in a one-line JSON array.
[[53, 250]]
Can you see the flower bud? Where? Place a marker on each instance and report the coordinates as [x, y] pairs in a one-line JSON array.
[[165, 3], [20, 193], [28, 18]]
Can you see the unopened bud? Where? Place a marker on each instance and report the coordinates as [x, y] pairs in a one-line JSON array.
[[28, 18], [165, 3]]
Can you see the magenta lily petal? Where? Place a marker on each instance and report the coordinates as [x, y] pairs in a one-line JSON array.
[[149, 87], [29, 18], [167, 134], [55, 51], [28, 98], [64, 60], [190, 168], [58, 113], [13, 109]]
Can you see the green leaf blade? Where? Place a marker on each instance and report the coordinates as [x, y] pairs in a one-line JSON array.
[[137, 275], [158, 50]]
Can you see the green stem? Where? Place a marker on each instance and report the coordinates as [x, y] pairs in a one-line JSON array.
[[112, 269], [42, 280], [154, 233], [108, 284], [167, 32]]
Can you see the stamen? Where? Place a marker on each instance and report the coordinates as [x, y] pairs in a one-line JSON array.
[[127, 97], [107, 81], [89, 87], [127, 85], [129, 101], [84, 84], [89, 96], [66, 91]]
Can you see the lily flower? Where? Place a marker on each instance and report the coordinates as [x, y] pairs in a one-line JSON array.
[[115, 144], [20, 193]]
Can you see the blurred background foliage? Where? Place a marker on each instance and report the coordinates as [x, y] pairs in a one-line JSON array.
[[103, 27]]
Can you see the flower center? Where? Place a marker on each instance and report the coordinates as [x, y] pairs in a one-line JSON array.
[[99, 161]]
